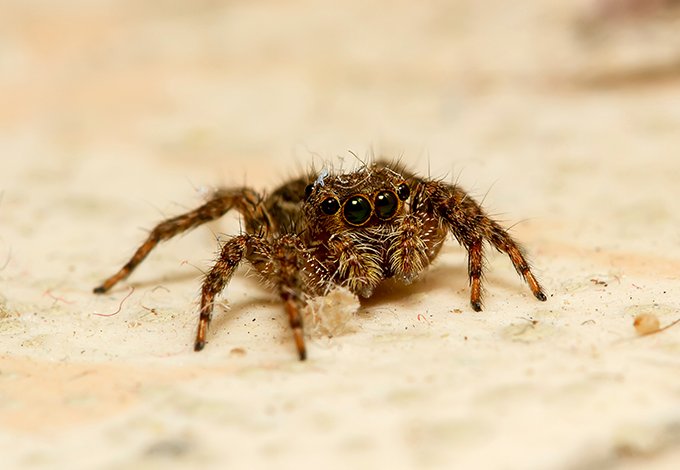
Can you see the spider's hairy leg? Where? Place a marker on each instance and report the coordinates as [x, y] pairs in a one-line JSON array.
[[217, 278], [471, 227], [279, 262], [502, 241], [475, 271], [288, 259], [244, 200]]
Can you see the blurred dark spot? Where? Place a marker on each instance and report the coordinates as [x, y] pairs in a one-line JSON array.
[[168, 448]]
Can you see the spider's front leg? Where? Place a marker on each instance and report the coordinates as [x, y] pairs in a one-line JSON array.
[[471, 227], [280, 262], [215, 281], [246, 201]]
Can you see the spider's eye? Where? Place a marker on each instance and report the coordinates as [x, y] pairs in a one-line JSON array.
[[330, 206], [386, 204], [357, 210], [403, 191], [308, 190]]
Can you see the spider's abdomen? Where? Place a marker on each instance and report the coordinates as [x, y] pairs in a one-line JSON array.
[[284, 207]]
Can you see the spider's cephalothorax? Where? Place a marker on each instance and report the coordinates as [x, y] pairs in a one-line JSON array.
[[352, 229]]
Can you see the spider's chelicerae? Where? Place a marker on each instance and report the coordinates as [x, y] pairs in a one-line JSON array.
[[353, 229]]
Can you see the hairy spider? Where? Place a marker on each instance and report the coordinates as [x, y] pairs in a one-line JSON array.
[[353, 229]]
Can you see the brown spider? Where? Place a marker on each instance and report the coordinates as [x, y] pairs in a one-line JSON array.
[[353, 229]]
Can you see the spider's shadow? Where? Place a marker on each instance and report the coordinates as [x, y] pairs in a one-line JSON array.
[[438, 277], [173, 278], [230, 314], [452, 278]]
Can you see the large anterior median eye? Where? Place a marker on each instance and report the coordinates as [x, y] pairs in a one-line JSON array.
[[386, 204], [357, 210]]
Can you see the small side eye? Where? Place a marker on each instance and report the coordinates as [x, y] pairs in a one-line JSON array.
[[386, 204], [330, 206], [308, 190], [357, 210], [403, 191]]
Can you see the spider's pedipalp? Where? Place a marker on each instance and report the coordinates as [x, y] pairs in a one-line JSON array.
[[409, 251]]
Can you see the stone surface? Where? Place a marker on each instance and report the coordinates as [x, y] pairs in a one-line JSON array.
[[116, 114]]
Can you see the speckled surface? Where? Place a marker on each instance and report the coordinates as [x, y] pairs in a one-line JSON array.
[[116, 114]]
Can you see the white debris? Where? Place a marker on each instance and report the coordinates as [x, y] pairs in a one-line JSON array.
[[332, 314], [322, 177]]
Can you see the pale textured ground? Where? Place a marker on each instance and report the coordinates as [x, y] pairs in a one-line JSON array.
[[114, 115]]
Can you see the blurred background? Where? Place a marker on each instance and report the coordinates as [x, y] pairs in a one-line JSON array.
[[133, 103], [212, 82], [562, 115], [217, 90]]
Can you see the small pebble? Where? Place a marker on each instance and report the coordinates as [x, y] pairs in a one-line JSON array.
[[237, 352], [646, 323]]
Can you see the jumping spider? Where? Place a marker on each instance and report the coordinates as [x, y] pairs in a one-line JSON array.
[[353, 229]]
